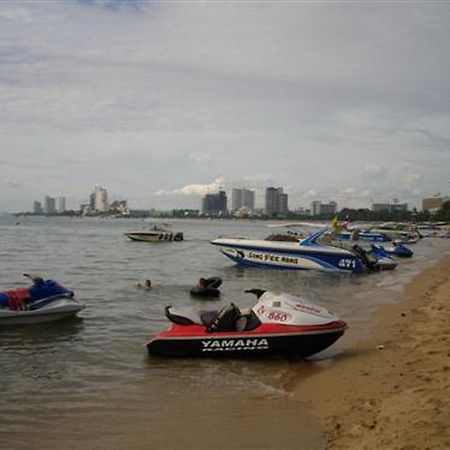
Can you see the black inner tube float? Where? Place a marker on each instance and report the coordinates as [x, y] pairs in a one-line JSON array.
[[207, 287]]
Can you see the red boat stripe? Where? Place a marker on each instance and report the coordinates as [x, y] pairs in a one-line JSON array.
[[263, 331]]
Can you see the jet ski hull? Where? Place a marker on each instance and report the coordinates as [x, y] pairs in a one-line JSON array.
[[267, 340], [400, 250], [55, 309]]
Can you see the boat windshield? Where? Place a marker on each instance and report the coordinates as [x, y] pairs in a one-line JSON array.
[[153, 226]]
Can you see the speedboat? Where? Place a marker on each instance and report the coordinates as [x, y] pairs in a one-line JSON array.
[[156, 232], [44, 301], [307, 253], [277, 325], [406, 233], [439, 229], [365, 235]]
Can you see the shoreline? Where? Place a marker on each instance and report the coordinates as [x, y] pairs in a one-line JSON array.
[[393, 389]]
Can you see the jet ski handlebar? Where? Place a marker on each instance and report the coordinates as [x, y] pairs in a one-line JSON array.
[[257, 292]]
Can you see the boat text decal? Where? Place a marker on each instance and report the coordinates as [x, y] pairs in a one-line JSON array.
[[347, 263], [220, 345], [272, 258]]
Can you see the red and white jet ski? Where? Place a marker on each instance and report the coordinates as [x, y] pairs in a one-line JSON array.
[[277, 325]]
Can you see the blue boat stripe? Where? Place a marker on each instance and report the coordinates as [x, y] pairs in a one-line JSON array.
[[323, 264], [293, 251]]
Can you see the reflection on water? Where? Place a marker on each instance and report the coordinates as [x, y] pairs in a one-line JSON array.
[[89, 380]]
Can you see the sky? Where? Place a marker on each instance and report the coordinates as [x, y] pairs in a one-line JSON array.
[[164, 101]]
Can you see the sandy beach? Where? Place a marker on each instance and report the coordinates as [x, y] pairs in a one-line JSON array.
[[392, 391]]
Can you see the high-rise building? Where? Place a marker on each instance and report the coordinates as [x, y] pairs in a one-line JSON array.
[[236, 199], [215, 204], [434, 203], [61, 204], [390, 207], [328, 208], [91, 204], [242, 198], [318, 208], [315, 207], [271, 203], [399, 207], [100, 199], [276, 201], [248, 200], [37, 208], [49, 205], [282, 202]]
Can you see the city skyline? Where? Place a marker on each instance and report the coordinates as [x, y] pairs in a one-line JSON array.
[[175, 100], [100, 194], [242, 203]]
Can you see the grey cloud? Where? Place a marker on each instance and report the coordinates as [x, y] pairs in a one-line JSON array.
[[14, 184], [291, 94]]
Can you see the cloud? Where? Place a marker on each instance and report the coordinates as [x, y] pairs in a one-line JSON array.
[[166, 96], [196, 189], [15, 13], [14, 184], [311, 194], [201, 158]]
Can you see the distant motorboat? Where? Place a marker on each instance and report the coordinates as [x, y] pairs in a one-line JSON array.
[[155, 232]]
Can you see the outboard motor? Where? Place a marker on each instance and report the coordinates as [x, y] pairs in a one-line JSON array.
[[369, 261]]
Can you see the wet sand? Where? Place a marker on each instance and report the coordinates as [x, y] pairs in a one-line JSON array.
[[392, 390]]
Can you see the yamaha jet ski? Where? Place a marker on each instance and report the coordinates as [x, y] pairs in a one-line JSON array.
[[277, 325], [44, 301]]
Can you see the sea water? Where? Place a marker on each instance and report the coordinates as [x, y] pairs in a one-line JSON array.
[[89, 383]]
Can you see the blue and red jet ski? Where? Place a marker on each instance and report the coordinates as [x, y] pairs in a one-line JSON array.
[[277, 325], [43, 301]]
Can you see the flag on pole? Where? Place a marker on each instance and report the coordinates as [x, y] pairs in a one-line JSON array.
[[335, 223]]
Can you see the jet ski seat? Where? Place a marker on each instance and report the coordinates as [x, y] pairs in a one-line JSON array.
[[190, 316], [225, 320], [248, 320], [229, 318]]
